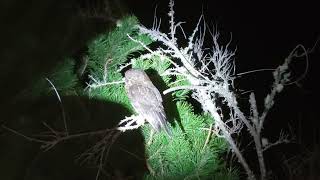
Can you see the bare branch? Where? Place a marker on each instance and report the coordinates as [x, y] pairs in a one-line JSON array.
[[61, 106], [98, 84]]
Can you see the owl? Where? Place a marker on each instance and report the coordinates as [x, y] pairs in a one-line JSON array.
[[146, 99]]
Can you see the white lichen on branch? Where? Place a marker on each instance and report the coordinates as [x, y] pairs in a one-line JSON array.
[[211, 76]]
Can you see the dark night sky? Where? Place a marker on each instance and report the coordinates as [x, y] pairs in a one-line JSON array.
[[261, 30], [264, 33]]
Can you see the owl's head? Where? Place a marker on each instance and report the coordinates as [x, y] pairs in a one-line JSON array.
[[136, 75]]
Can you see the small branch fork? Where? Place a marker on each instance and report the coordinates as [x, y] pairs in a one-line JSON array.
[[130, 123], [97, 84]]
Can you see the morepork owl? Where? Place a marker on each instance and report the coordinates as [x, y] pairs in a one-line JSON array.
[[146, 99]]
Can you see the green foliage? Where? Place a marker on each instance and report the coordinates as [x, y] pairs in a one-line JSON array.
[[181, 157], [112, 49], [62, 77], [107, 52], [156, 63], [182, 94]]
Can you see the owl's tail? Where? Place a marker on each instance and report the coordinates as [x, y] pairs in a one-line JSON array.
[[159, 122], [164, 124]]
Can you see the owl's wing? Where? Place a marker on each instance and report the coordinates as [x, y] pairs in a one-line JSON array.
[[147, 103], [144, 95], [157, 93]]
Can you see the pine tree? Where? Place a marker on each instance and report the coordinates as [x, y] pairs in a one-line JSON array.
[[188, 154]]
